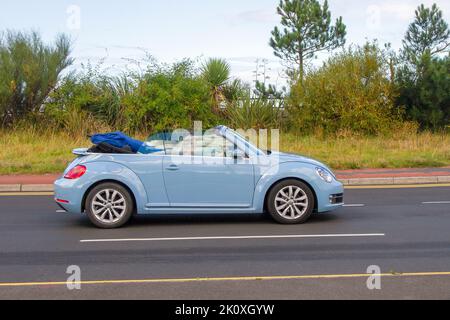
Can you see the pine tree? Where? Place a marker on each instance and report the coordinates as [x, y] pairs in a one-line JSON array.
[[428, 34], [307, 29], [423, 80]]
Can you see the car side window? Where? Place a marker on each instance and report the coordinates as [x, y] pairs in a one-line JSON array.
[[209, 145], [217, 146]]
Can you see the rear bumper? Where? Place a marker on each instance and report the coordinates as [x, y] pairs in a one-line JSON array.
[[60, 205], [69, 195]]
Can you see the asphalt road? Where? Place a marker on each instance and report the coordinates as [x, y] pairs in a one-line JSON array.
[[405, 232]]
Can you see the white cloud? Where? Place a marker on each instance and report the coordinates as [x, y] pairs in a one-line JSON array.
[[261, 16], [402, 11], [405, 10]]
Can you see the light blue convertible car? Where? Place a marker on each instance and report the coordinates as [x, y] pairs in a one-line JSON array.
[[216, 172]]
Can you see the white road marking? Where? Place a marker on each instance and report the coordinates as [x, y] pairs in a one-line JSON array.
[[436, 202], [354, 205], [61, 211], [240, 237]]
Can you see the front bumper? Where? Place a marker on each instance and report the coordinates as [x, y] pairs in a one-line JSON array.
[[337, 198], [330, 196]]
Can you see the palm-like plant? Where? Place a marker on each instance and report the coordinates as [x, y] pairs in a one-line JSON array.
[[216, 73], [29, 71], [249, 113]]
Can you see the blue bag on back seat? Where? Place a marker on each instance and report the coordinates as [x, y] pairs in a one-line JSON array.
[[117, 139]]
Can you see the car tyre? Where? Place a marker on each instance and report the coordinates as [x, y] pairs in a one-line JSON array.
[[291, 202], [109, 206]]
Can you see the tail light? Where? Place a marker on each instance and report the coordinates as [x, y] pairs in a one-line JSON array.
[[75, 173]]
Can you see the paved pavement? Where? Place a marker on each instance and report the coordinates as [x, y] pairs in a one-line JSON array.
[[403, 231], [29, 179]]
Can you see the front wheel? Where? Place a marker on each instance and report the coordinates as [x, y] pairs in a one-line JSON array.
[[109, 206], [291, 202]]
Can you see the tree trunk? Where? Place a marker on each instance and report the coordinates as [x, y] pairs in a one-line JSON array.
[[301, 70]]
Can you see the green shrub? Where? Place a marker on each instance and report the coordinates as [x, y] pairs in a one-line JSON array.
[[169, 97], [164, 97], [256, 114], [350, 92], [424, 91], [29, 70], [91, 96]]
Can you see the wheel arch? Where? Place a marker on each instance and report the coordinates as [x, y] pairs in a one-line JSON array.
[[274, 184], [85, 195]]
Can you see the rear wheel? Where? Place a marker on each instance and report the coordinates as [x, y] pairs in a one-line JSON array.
[[109, 206], [291, 202]]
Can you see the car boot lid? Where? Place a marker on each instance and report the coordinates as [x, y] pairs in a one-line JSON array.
[[81, 152]]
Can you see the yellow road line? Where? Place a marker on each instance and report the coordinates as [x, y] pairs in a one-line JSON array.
[[225, 279], [406, 186]]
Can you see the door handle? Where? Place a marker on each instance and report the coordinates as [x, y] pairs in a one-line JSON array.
[[173, 167]]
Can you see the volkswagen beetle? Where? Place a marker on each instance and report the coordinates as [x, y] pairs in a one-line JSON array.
[[217, 172]]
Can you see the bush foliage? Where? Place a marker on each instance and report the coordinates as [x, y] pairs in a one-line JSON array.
[[257, 113], [424, 91], [164, 97], [362, 90], [350, 92], [29, 71], [168, 98]]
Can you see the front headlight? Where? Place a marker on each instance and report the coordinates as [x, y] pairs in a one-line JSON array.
[[324, 174]]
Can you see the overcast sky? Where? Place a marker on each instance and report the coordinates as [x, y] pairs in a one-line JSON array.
[[238, 30]]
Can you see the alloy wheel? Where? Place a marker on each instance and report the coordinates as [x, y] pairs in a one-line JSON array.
[[109, 206], [291, 202]]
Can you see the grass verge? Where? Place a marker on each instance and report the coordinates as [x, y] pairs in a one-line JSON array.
[[411, 151], [33, 152]]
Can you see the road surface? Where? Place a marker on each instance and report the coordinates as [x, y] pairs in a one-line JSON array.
[[403, 231]]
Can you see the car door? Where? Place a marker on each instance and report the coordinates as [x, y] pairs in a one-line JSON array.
[[149, 170], [208, 177]]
